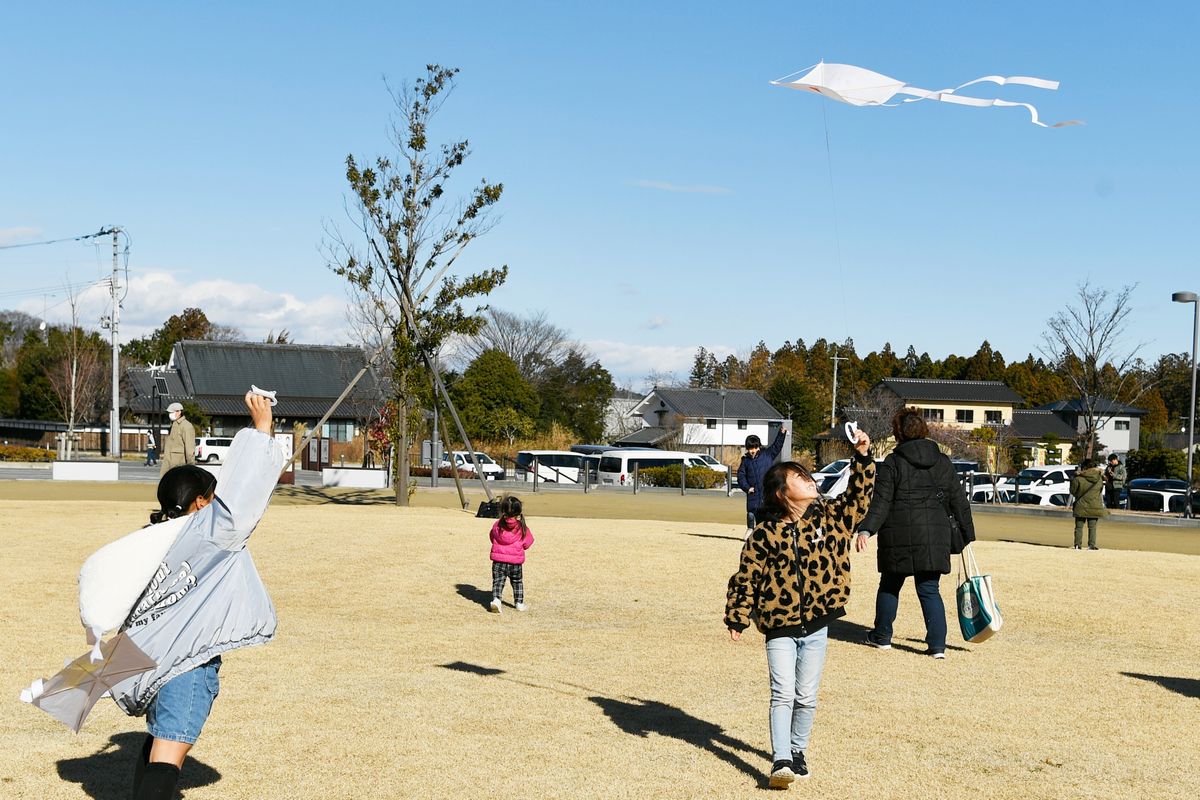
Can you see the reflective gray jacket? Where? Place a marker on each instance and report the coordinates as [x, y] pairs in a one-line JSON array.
[[206, 597]]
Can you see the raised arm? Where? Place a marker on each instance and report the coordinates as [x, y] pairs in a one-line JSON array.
[[777, 446], [248, 477]]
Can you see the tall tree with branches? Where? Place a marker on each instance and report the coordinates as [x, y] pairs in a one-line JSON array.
[[1085, 343], [412, 233]]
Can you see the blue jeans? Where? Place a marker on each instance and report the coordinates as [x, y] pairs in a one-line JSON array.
[[795, 664], [179, 710], [887, 601]]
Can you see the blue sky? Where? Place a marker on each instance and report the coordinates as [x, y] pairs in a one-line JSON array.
[[660, 195]]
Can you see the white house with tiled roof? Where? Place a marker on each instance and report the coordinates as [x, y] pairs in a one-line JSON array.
[[712, 421], [1118, 426]]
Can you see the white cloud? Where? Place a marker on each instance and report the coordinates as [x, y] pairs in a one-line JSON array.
[[154, 296], [18, 235], [654, 323], [631, 363], [663, 186]]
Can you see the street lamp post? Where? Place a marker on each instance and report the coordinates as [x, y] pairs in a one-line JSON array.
[[1190, 297], [722, 450]]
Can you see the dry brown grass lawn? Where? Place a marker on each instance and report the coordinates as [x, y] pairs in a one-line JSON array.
[[389, 680]]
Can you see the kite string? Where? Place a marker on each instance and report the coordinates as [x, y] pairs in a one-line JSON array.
[[837, 239]]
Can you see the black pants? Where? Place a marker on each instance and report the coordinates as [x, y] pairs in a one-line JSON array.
[[1112, 497], [514, 573]]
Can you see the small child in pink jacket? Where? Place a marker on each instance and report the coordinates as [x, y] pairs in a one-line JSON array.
[[511, 537]]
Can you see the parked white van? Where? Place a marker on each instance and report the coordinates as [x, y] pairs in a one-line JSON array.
[[462, 461], [556, 466], [616, 466]]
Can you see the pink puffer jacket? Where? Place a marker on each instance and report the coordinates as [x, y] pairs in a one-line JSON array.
[[508, 545]]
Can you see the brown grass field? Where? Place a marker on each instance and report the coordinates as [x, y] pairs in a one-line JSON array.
[[389, 680]]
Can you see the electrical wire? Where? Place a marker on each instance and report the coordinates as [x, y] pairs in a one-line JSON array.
[[101, 232]]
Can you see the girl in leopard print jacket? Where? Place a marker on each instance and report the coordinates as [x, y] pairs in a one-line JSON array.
[[793, 580]]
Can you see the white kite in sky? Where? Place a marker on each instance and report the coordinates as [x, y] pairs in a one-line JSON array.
[[861, 87]]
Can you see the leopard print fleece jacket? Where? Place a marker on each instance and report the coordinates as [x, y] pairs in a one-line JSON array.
[[794, 578]]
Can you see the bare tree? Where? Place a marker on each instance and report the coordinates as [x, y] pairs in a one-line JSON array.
[[532, 342], [873, 410], [1085, 344], [409, 234], [78, 377]]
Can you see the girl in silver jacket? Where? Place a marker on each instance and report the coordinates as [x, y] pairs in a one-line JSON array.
[[206, 598]]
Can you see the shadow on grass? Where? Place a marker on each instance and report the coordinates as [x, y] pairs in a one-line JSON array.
[[1056, 545], [644, 717], [843, 630], [310, 495], [473, 593], [715, 536], [639, 717], [108, 773], [1188, 687]]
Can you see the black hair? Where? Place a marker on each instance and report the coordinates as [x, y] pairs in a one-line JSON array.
[[510, 506], [1087, 463], [753, 441], [179, 488], [775, 506]]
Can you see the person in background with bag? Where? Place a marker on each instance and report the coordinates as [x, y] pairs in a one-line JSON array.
[[921, 515], [1088, 507]]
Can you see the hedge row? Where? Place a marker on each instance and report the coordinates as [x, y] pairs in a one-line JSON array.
[[697, 477], [10, 452]]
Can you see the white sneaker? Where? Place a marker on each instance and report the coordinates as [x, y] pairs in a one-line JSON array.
[[495, 606], [522, 607]]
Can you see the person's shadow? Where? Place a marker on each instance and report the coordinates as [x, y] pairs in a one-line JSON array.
[[108, 773], [843, 630], [1188, 687], [643, 717], [473, 593]]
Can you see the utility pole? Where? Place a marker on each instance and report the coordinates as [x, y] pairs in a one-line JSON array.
[[113, 323], [833, 405]]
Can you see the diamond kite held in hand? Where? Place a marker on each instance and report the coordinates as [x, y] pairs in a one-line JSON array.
[[70, 695]]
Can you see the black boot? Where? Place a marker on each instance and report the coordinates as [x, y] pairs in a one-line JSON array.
[[139, 768], [158, 782]]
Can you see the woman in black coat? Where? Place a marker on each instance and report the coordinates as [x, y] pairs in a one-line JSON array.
[[917, 502]]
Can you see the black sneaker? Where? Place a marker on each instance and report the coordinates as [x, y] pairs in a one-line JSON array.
[[878, 645], [782, 775], [798, 764]]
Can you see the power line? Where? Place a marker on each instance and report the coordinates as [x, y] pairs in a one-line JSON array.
[[101, 232]]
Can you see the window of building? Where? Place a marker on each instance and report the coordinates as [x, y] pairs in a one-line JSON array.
[[741, 424], [711, 424], [933, 414], [1121, 424], [993, 417], [338, 431], [965, 415]]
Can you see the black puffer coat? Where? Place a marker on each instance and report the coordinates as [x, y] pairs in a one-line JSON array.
[[915, 492]]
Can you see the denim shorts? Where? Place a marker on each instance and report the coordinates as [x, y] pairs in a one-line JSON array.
[[181, 706]]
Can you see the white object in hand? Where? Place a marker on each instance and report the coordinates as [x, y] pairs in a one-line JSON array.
[[264, 393], [851, 429]]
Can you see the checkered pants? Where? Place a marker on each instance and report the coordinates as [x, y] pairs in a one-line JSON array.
[[514, 573]]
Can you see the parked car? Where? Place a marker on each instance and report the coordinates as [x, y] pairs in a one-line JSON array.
[[831, 484], [212, 449], [556, 466], [1043, 480], [1165, 495], [708, 461], [461, 460], [616, 466]]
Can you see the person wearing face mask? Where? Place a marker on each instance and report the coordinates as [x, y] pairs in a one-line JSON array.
[[179, 445]]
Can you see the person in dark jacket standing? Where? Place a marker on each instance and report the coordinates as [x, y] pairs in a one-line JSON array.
[[917, 505], [1114, 481], [754, 466], [1088, 506]]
